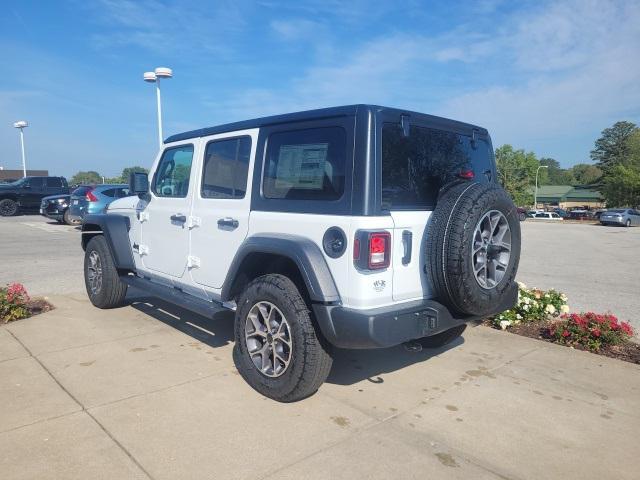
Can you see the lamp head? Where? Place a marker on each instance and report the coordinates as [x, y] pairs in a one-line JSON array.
[[149, 77], [163, 72], [21, 124]]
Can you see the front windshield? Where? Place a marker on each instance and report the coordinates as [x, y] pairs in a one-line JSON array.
[[18, 182]]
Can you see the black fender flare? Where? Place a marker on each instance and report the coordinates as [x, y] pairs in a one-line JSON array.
[[306, 255], [115, 229]]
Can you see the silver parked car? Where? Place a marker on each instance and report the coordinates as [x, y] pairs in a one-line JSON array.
[[621, 216]]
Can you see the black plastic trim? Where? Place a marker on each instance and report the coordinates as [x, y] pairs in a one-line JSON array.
[[115, 229], [303, 252], [388, 326], [173, 295]]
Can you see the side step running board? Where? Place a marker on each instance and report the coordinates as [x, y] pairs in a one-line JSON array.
[[175, 296]]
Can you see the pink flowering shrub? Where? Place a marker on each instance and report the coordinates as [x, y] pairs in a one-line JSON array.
[[590, 330], [13, 302]]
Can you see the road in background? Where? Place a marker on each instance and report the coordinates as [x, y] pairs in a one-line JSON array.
[[597, 267]]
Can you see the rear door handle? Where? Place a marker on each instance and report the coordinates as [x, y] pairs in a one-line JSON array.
[[178, 217], [228, 222]]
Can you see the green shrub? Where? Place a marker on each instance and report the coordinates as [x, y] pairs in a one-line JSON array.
[[533, 305], [13, 303]]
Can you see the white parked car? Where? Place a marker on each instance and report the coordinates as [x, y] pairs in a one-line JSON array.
[[547, 216]]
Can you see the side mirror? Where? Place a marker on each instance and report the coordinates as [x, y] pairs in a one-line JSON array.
[[138, 183]]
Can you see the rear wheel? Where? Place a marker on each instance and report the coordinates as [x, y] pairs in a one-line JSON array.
[[103, 284], [522, 217], [627, 223], [66, 218], [8, 207], [278, 350]]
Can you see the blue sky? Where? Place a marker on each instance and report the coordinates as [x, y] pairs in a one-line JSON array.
[[543, 76]]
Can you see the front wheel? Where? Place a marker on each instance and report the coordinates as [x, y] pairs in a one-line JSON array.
[[103, 284], [278, 350], [8, 207], [627, 223]]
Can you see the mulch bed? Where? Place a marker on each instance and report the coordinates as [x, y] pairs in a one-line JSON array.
[[627, 352], [36, 306]]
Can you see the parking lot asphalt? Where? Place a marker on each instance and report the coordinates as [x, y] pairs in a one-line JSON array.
[[150, 391]]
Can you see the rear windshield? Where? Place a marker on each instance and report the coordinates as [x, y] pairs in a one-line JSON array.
[[415, 168], [81, 191]]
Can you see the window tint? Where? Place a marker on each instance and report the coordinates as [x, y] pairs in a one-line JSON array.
[[306, 164], [122, 192], [172, 175], [226, 163], [109, 192], [36, 182], [81, 191], [54, 182], [415, 168]]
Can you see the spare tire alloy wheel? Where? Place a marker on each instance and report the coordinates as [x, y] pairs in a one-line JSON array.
[[491, 249], [268, 338]]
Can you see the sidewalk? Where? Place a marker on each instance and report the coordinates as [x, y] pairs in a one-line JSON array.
[[150, 391]]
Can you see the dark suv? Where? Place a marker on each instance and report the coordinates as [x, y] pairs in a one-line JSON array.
[[27, 193]]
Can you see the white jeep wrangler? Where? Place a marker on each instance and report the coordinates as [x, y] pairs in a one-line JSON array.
[[348, 227]]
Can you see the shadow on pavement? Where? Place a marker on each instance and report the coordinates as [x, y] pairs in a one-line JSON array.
[[349, 366]]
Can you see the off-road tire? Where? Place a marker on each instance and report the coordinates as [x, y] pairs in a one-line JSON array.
[[113, 291], [310, 358], [443, 338], [450, 242], [8, 207]]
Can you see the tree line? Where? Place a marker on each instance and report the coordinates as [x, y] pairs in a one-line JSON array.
[[92, 177], [615, 171]]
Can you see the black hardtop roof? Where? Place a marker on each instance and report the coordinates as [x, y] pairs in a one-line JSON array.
[[342, 111]]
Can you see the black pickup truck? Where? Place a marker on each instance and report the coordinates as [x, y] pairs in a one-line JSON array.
[[26, 193]]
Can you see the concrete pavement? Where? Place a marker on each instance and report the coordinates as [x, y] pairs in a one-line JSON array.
[[150, 391]]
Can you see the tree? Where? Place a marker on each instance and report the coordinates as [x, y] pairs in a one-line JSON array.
[[517, 171], [554, 175], [612, 148], [86, 178], [585, 174], [621, 186]]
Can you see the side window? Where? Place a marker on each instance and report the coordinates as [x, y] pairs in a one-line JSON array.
[[54, 182], [226, 164], [306, 164], [172, 175], [110, 192], [36, 183], [122, 192]]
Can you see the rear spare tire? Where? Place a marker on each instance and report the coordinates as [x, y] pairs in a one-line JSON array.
[[473, 247]]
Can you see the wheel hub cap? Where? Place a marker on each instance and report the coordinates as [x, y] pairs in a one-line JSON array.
[[94, 272], [491, 249], [268, 338]]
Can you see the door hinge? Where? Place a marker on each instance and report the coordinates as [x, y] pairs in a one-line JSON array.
[[193, 262], [143, 216], [143, 250], [194, 222]]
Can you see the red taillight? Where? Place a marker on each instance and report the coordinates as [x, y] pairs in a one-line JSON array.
[[91, 197], [466, 174], [379, 250]]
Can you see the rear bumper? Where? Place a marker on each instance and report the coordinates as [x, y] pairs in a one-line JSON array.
[[395, 324]]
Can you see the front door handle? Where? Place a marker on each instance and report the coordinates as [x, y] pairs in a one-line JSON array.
[[228, 222], [178, 217]]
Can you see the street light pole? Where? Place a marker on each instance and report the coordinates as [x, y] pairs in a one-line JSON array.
[[535, 194], [22, 124], [154, 77]]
